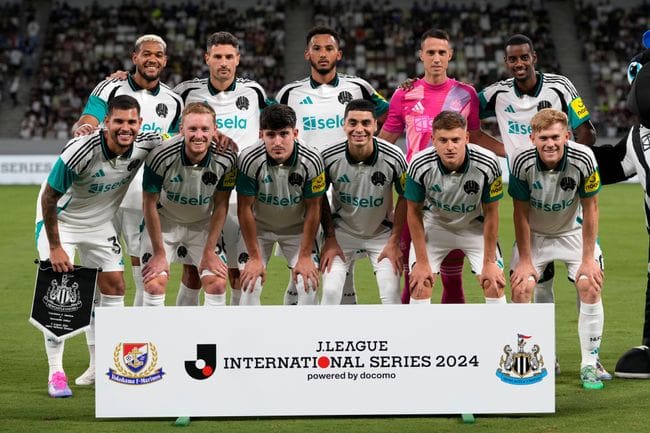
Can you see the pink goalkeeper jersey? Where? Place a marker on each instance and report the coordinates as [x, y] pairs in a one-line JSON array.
[[414, 110]]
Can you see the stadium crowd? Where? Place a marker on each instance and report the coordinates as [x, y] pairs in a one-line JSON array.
[[610, 35], [82, 45]]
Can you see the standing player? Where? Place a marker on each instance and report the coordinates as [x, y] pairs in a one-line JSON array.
[[279, 185], [554, 187], [461, 184], [161, 112], [238, 103], [186, 186], [362, 171], [319, 102], [81, 196], [515, 101], [413, 111]]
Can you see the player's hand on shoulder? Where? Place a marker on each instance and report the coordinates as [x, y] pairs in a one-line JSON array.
[[118, 75], [85, 129], [225, 143], [408, 84]]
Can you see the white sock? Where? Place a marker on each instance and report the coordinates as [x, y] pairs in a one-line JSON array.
[[235, 296], [501, 300], [420, 301], [139, 285], [253, 297], [291, 294], [214, 300], [590, 330], [149, 300], [187, 297], [305, 297], [54, 352], [543, 292], [111, 301], [349, 296]]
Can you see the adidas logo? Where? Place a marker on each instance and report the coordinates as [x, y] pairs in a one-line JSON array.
[[343, 179], [537, 185], [100, 173], [510, 109], [176, 179], [418, 107], [267, 179], [306, 101], [436, 188]]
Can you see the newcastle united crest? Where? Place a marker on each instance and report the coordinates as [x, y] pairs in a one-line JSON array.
[[135, 364], [521, 367], [64, 296]]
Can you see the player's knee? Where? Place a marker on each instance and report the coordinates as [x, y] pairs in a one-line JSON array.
[[157, 286], [214, 285], [522, 295], [111, 283]]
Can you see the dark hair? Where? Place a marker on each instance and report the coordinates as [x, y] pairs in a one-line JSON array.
[[520, 39], [436, 34], [222, 38], [122, 102], [277, 116], [360, 105], [448, 120], [323, 30]]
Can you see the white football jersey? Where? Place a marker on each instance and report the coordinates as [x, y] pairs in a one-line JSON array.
[[320, 108]]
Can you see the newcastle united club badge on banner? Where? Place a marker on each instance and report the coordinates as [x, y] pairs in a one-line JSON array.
[[63, 301]]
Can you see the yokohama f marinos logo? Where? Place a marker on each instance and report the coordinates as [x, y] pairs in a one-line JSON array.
[[63, 297], [135, 364], [205, 363], [521, 367]]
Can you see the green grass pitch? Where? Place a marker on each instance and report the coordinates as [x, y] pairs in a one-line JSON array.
[[621, 406]]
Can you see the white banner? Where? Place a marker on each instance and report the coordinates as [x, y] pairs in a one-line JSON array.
[[25, 169], [325, 360]]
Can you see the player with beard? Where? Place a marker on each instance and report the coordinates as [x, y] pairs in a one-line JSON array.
[[515, 101], [238, 103], [161, 110], [80, 198], [319, 102]]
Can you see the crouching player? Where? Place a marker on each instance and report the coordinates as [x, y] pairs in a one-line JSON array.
[[78, 202], [362, 171], [554, 187], [186, 187], [280, 183], [452, 192]]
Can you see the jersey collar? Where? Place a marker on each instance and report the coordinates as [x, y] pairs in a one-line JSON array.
[[135, 87], [371, 160], [315, 84], [108, 153], [561, 166], [536, 89], [186, 162], [293, 159], [214, 91], [463, 167]]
